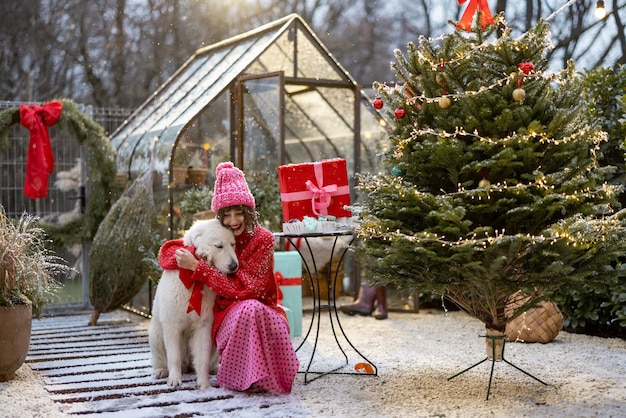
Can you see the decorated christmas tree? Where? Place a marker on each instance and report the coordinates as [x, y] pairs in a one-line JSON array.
[[491, 193]]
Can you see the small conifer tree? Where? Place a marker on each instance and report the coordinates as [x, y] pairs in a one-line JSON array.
[[491, 183]]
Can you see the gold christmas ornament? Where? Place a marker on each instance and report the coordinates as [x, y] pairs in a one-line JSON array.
[[444, 102], [484, 183], [519, 94]]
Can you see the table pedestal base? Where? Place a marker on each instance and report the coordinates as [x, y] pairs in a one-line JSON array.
[[337, 330]]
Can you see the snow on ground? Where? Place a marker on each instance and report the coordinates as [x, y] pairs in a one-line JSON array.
[[415, 355]]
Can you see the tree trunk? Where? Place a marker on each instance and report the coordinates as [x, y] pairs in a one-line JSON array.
[[95, 314], [494, 340]]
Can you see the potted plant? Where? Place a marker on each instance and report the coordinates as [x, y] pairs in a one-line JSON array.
[[197, 171], [180, 166], [196, 204], [28, 271]]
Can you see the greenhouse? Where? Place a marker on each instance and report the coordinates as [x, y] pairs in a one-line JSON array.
[[269, 97]]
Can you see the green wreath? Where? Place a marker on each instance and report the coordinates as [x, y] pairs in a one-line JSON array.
[[99, 157]]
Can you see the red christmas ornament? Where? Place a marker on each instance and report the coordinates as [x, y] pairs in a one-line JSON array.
[[526, 67], [377, 103], [400, 113]]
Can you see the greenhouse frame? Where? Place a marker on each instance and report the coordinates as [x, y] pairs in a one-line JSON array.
[[271, 96]]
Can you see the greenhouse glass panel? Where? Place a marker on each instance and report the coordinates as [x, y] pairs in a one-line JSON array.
[[374, 137], [315, 129], [313, 62], [206, 141], [278, 57], [178, 112], [169, 100], [262, 123], [137, 123]]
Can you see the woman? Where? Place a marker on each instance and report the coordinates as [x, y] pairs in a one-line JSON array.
[[250, 330]]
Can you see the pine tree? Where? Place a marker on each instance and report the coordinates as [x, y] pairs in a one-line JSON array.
[[491, 183]]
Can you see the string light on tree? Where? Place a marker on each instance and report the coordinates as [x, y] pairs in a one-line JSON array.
[[487, 180]]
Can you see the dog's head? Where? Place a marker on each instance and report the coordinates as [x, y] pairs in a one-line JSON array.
[[214, 243]]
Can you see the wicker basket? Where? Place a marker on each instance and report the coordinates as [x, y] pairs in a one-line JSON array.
[[540, 324]]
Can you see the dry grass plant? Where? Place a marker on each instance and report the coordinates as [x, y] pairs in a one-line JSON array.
[[28, 269]]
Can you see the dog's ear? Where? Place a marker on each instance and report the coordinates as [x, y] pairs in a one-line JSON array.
[[192, 235]]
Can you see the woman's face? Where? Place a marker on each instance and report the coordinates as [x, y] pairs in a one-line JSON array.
[[234, 219]]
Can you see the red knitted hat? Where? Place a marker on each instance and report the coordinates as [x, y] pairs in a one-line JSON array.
[[231, 188]]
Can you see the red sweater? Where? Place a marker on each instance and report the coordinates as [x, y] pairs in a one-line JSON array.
[[253, 280]]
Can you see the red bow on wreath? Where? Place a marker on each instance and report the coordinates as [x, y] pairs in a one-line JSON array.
[[485, 17], [39, 159]]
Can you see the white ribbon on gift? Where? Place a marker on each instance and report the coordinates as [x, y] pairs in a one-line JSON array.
[[320, 196]]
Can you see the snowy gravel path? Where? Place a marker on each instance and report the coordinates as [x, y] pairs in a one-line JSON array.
[[415, 355]]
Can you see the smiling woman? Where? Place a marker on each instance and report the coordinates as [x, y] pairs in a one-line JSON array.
[[250, 329]]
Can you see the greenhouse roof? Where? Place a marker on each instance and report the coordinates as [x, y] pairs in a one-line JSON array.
[[286, 45]]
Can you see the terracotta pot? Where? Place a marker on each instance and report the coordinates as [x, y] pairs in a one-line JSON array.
[[179, 174], [14, 338], [207, 214], [495, 344], [197, 175]]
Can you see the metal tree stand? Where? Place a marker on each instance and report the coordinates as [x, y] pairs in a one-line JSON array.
[[493, 339]]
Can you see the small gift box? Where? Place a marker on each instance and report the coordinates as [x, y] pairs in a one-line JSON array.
[[314, 189], [288, 275]]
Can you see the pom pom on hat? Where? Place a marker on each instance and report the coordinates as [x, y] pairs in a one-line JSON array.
[[231, 188]]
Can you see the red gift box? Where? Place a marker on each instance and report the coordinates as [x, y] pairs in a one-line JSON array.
[[314, 189]]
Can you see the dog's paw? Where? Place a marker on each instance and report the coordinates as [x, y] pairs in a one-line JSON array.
[[175, 382], [159, 373], [204, 384]]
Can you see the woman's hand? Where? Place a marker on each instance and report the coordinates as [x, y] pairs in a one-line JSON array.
[[185, 259]]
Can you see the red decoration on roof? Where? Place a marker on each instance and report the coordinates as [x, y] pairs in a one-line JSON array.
[[485, 16]]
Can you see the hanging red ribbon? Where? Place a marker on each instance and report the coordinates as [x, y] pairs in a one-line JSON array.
[[279, 278], [39, 159], [485, 17]]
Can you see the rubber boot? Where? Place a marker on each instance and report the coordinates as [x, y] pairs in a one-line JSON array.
[[381, 303], [364, 305]]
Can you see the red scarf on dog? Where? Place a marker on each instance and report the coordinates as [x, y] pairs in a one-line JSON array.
[[168, 262]]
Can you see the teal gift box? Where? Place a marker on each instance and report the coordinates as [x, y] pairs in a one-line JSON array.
[[288, 274]]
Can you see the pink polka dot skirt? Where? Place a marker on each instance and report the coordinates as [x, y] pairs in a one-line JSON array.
[[255, 349]]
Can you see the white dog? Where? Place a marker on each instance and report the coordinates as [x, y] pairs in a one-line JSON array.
[[176, 335]]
